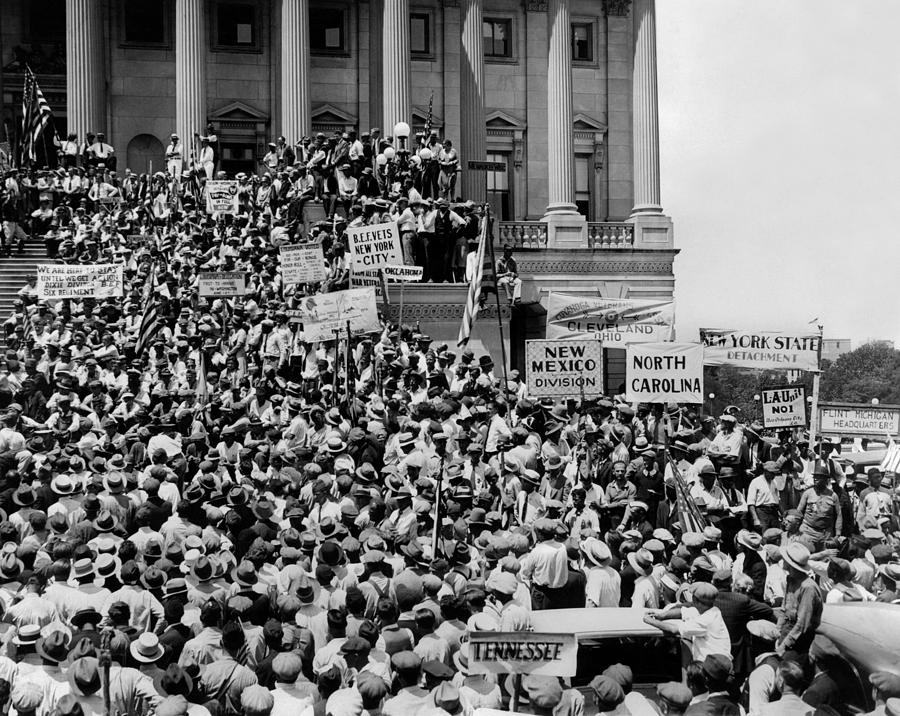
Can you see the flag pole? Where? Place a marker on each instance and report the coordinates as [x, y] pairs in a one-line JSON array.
[[489, 237]]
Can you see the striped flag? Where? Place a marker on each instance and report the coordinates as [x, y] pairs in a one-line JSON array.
[[689, 515], [28, 327], [891, 460], [483, 280], [151, 322], [36, 115], [202, 385]]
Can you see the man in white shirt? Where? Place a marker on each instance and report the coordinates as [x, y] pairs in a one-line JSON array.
[[174, 156], [701, 624]]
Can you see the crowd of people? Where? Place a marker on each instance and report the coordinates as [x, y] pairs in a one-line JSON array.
[[223, 518]]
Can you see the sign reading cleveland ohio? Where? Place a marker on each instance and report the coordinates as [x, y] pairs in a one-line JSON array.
[[501, 652], [784, 407], [859, 420], [556, 368], [615, 322], [375, 246], [761, 349], [664, 372]]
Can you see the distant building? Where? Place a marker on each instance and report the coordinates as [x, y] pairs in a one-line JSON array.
[[834, 348]]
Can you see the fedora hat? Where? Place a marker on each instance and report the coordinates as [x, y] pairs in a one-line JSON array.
[[596, 551], [116, 462], [263, 509], [83, 568], [54, 647], [641, 562], [245, 574], [10, 567], [114, 483], [146, 648], [86, 615], [796, 556], [105, 522], [237, 496], [24, 496], [63, 485], [203, 570], [153, 578], [107, 565]]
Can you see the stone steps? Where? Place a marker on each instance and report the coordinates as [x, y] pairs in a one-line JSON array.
[[14, 271]]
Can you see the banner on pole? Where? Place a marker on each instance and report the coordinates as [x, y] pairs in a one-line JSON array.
[[784, 407], [516, 652], [222, 196], [664, 373], [222, 283], [325, 313], [403, 273], [859, 420], [57, 281], [761, 349], [302, 263], [564, 368], [615, 322], [370, 279], [375, 246]]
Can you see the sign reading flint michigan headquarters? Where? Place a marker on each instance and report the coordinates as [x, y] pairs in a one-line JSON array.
[[873, 421]]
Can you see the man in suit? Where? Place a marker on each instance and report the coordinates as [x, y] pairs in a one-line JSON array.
[[718, 702], [737, 611]]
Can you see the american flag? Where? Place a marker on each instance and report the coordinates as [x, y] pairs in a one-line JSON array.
[[28, 327], [36, 115], [891, 460], [482, 279], [689, 515], [151, 323], [202, 385]]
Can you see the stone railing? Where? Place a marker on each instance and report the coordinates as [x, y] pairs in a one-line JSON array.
[[522, 234], [610, 235]]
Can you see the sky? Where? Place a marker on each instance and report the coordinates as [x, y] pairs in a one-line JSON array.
[[780, 163]]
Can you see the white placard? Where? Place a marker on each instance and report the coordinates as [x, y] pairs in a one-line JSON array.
[[784, 407], [664, 373], [375, 246], [222, 196], [56, 281], [761, 349], [302, 263], [325, 313], [222, 283], [564, 368], [615, 322]]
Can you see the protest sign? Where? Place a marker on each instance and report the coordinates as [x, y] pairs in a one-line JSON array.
[[56, 281], [370, 279], [784, 407], [849, 419], [615, 322], [564, 368], [403, 273], [221, 196], [325, 313], [302, 263], [375, 246], [664, 373], [225, 284], [515, 652], [761, 349]]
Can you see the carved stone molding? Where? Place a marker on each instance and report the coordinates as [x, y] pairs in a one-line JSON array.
[[539, 268], [413, 312], [618, 8], [532, 6]]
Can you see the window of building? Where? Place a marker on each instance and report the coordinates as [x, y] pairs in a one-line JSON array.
[[236, 27], [238, 157], [498, 188], [327, 30], [583, 184], [46, 20], [497, 38], [420, 33], [582, 42], [145, 22]]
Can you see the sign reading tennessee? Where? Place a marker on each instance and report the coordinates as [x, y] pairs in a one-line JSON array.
[[514, 652]]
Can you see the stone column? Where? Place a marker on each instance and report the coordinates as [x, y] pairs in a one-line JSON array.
[[561, 144], [645, 111], [473, 135], [190, 71], [85, 77], [395, 56], [295, 109]]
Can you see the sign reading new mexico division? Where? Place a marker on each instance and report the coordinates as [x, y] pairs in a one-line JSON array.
[[56, 281], [875, 421], [515, 652], [664, 373], [570, 368], [375, 246], [784, 407], [225, 284], [615, 322], [761, 349]]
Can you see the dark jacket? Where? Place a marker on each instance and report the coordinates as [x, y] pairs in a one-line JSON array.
[[737, 610]]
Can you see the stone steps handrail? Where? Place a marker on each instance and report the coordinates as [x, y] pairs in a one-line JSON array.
[[533, 235]]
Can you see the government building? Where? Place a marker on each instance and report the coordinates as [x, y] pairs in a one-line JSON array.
[[560, 94]]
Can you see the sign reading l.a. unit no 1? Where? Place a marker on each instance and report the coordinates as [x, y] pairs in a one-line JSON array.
[[784, 407]]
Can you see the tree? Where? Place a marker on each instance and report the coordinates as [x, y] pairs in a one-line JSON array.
[[870, 371]]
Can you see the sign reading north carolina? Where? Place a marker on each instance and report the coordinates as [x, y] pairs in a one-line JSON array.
[[664, 373], [859, 420], [761, 349], [499, 652], [570, 368]]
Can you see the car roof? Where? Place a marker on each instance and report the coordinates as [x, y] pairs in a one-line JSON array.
[[867, 633], [600, 623]]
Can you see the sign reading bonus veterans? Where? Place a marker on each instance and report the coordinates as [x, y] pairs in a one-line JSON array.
[[375, 246], [664, 373], [570, 368], [514, 652], [302, 263], [221, 196], [784, 407], [761, 349], [224, 284], [874, 421], [615, 322], [56, 281]]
